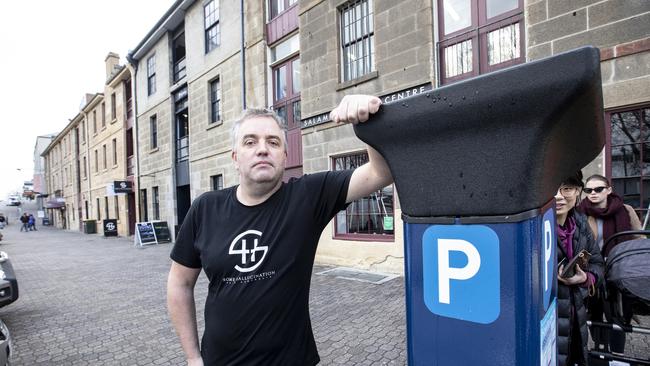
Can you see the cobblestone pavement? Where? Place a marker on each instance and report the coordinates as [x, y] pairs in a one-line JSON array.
[[87, 300]]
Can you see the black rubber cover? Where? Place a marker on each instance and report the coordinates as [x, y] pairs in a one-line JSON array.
[[497, 144]]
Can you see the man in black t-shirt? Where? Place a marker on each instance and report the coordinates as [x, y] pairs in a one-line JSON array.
[[256, 243]]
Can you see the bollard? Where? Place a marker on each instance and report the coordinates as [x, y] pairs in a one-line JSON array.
[[477, 165]]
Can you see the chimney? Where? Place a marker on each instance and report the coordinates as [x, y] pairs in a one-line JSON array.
[[112, 60]]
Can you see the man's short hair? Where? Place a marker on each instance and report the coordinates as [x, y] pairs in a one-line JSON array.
[[251, 113]]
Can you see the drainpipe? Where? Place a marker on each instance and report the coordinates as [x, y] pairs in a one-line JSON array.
[[87, 167], [134, 68], [243, 58]]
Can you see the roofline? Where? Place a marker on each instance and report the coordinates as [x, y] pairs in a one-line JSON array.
[[156, 32]]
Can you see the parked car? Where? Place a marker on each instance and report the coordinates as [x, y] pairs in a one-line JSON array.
[[6, 345], [8, 281]]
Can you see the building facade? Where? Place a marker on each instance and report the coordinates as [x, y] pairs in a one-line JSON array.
[[204, 61], [93, 154], [394, 49], [189, 90]]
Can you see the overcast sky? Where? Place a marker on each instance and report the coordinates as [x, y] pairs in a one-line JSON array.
[[51, 53]]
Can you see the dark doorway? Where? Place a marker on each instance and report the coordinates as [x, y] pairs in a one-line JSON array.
[[183, 203], [130, 198]]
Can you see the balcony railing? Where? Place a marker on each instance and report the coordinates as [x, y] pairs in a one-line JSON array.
[[179, 70]]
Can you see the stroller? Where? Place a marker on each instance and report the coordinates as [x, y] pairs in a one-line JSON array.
[[627, 291]]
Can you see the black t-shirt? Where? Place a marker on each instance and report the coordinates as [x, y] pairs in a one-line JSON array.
[[259, 260]]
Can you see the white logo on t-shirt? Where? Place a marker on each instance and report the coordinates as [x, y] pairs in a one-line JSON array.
[[249, 256]]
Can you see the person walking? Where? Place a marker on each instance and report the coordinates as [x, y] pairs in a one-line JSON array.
[[574, 236], [31, 223], [3, 221], [607, 215], [256, 243], [24, 219]]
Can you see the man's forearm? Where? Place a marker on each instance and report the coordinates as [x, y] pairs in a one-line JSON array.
[[182, 311]]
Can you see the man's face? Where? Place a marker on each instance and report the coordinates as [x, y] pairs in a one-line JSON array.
[[260, 155]]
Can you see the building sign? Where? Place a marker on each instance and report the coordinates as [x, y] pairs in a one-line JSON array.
[[110, 227], [386, 99], [122, 186]]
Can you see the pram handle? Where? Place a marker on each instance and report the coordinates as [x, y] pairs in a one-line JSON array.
[[625, 233]]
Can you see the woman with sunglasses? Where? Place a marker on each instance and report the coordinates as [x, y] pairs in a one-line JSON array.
[[573, 237], [607, 215]]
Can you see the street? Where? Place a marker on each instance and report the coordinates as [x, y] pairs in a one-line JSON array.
[[89, 300], [86, 300]]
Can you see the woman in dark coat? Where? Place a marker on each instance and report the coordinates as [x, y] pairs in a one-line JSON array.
[[574, 235]]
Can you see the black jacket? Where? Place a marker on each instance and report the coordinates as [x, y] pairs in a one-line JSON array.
[[572, 297]]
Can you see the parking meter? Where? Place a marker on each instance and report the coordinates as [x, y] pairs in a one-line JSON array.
[[476, 165]]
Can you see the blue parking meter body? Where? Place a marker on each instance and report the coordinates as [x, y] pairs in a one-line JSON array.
[[476, 166]]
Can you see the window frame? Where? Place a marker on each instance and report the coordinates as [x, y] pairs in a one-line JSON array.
[[113, 106], [115, 151], [640, 210], [215, 25], [215, 100], [477, 32], [155, 198], [360, 236], [287, 4], [151, 75], [103, 111], [370, 37], [153, 131], [216, 182]]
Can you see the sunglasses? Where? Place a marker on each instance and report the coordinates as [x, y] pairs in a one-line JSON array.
[[597, 190]]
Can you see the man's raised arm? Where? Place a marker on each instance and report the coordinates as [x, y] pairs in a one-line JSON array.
[[375, 174]]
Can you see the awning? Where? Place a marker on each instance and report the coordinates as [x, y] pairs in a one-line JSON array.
[[54, 204]]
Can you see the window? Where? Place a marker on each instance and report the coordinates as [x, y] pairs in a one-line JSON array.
[[215, 98], [357, 39], [151, 75], [211, 11], [106, 207], [114, 151], [96, 161], [216, 182], [277, 7], [182, 125], [479, 36], [86, 205], [104, 150], [113, 107], [103, 115], [178, 54], [156, 203], [371, 217], [628, 158], [117, 207], [95, 122], [99, 212], [143, 206], [85, 169], [153, 124], [83, 131]]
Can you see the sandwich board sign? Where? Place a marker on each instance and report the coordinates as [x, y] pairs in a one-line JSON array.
[[145, 234]]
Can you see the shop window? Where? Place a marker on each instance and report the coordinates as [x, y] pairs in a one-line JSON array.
[[369, 218], [479, 36], [628, 155]]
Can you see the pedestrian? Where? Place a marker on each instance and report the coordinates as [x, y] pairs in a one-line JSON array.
[[32, 223], [574, 236], [3, 221], [256, 243], [24, 219], [607, 215]]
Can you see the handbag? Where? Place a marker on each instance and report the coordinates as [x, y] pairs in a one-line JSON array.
[[581, 259]]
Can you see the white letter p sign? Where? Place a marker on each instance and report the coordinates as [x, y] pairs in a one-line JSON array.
[[446, 273]]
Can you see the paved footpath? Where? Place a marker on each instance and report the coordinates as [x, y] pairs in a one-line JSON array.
[[87, 300]]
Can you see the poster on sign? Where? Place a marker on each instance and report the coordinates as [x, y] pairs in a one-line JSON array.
[[145, 234]]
